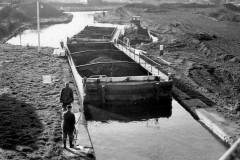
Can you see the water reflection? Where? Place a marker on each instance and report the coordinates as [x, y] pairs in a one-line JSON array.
[[147, 135], [127, 113]]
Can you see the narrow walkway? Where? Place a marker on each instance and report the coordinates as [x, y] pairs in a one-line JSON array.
[[82, 138], [135, 55]]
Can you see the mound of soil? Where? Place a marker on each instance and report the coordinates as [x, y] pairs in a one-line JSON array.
[[232, 7], [216, 80], [46, 11], [121, 12], [9, 13], [225, 15]]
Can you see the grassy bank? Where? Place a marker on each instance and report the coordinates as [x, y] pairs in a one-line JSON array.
[[30, 110]]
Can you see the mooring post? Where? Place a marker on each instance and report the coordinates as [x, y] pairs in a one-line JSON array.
[[161, 50], [157, 91], [103, 94]]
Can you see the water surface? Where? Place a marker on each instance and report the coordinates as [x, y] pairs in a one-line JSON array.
[[53, 34], [178, 137]]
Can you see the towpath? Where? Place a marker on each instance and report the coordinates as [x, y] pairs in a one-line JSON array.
[[82, 139]]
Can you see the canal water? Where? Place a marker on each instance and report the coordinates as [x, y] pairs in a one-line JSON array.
[[140, 134], [146, 135], [52, 35]]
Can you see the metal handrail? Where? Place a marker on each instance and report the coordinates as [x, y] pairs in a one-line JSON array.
[[124, 46], [231, 151]]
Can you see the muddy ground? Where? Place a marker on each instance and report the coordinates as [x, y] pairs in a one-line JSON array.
[[203, 51], [30, 124]]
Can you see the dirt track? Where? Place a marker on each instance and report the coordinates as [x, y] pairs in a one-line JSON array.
[[203, 52], [30, 110]]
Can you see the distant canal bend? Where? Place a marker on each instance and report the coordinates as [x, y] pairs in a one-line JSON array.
[[52, 35], [145, 135]]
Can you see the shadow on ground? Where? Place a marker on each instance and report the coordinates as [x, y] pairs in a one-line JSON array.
[[19, 124]]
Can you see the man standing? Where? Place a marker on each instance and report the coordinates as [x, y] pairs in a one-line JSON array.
[[66, 97], [68, 126]]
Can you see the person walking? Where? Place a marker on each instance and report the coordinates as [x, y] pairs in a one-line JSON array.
[[66, 97], [68, 126]]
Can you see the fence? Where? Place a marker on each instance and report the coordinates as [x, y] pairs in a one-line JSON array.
[[141, 59]]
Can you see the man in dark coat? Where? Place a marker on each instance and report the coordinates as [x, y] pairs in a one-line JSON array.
[[66, 97], [68, 126]]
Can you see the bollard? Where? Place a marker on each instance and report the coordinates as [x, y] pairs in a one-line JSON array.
[[157, 91], [62, 44], [103, 94], [161, 50]]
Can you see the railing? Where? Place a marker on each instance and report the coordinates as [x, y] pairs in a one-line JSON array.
[[78, 79], [136, 56], [233, 152]]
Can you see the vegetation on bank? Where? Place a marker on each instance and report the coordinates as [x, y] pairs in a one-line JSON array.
[[12, 18], [227, 12]]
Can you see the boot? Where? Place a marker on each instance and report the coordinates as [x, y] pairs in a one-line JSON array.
[[64, 144], [71, 144]]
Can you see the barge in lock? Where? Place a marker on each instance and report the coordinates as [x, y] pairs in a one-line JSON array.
[[111, 78]]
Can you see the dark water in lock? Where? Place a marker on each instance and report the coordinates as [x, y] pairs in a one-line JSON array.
[[150, 134]]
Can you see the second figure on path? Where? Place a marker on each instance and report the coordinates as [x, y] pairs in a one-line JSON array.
[[66, 97], [68, 126]]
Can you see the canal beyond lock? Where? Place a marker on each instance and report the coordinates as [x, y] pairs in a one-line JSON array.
[[145, 135]]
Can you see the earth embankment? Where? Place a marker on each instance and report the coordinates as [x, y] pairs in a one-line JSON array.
[[203, 52], [30, 110]]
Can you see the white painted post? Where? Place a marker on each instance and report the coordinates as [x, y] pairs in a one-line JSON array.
[[161, 48]]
